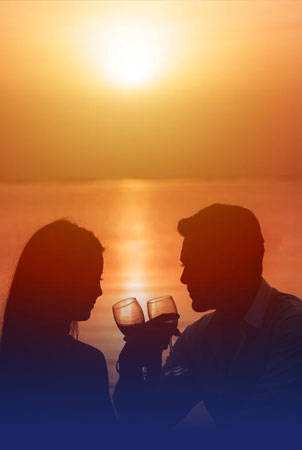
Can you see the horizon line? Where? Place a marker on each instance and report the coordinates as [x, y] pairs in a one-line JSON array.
[[159, 178]]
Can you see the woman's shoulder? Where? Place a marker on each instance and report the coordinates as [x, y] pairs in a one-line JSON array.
[[87, 353]]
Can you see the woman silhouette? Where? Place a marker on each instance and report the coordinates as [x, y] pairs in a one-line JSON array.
[[50, 379]]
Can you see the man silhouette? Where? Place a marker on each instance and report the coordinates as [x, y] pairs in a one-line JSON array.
[[244, 360]]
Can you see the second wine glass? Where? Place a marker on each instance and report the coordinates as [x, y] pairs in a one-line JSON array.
[[163, 305]]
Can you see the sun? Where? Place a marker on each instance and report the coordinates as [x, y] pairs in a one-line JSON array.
[[130, 53]]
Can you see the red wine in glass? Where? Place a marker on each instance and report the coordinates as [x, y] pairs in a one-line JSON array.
[[128, 315]]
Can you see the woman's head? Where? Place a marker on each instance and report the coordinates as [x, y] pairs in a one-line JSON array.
[[57, 278]]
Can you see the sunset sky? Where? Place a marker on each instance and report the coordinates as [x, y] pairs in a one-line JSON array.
[[150, 89]]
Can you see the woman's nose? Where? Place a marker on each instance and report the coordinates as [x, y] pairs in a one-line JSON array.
[[99, 291]]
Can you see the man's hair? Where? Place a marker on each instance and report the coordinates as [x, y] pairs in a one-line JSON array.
[[227, 226]]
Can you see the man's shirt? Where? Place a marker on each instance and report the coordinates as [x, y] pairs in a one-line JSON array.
[[249, 371], [259, 373]]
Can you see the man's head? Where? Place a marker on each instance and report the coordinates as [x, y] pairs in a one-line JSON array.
[[222, 255]]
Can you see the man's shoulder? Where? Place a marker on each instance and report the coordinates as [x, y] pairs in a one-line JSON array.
[[284, 304], [284, 309]]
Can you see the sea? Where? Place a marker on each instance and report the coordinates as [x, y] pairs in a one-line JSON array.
[[136, 221]]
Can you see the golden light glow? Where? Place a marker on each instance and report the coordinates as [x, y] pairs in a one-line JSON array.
[[129, 52], [144, 89]]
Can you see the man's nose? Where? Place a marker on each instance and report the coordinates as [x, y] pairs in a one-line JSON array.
[[183, 278]]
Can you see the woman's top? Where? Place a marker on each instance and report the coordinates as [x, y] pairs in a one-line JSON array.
[[62, 385]]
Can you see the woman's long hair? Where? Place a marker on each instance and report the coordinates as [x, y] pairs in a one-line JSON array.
[[49, 263]]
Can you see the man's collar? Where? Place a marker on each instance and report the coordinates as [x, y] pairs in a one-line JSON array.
[[256, 312]]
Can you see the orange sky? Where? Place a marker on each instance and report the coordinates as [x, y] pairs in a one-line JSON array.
[[224, 99]]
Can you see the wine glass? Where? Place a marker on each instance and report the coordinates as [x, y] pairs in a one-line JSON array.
[[163, 305], [128, 315]]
